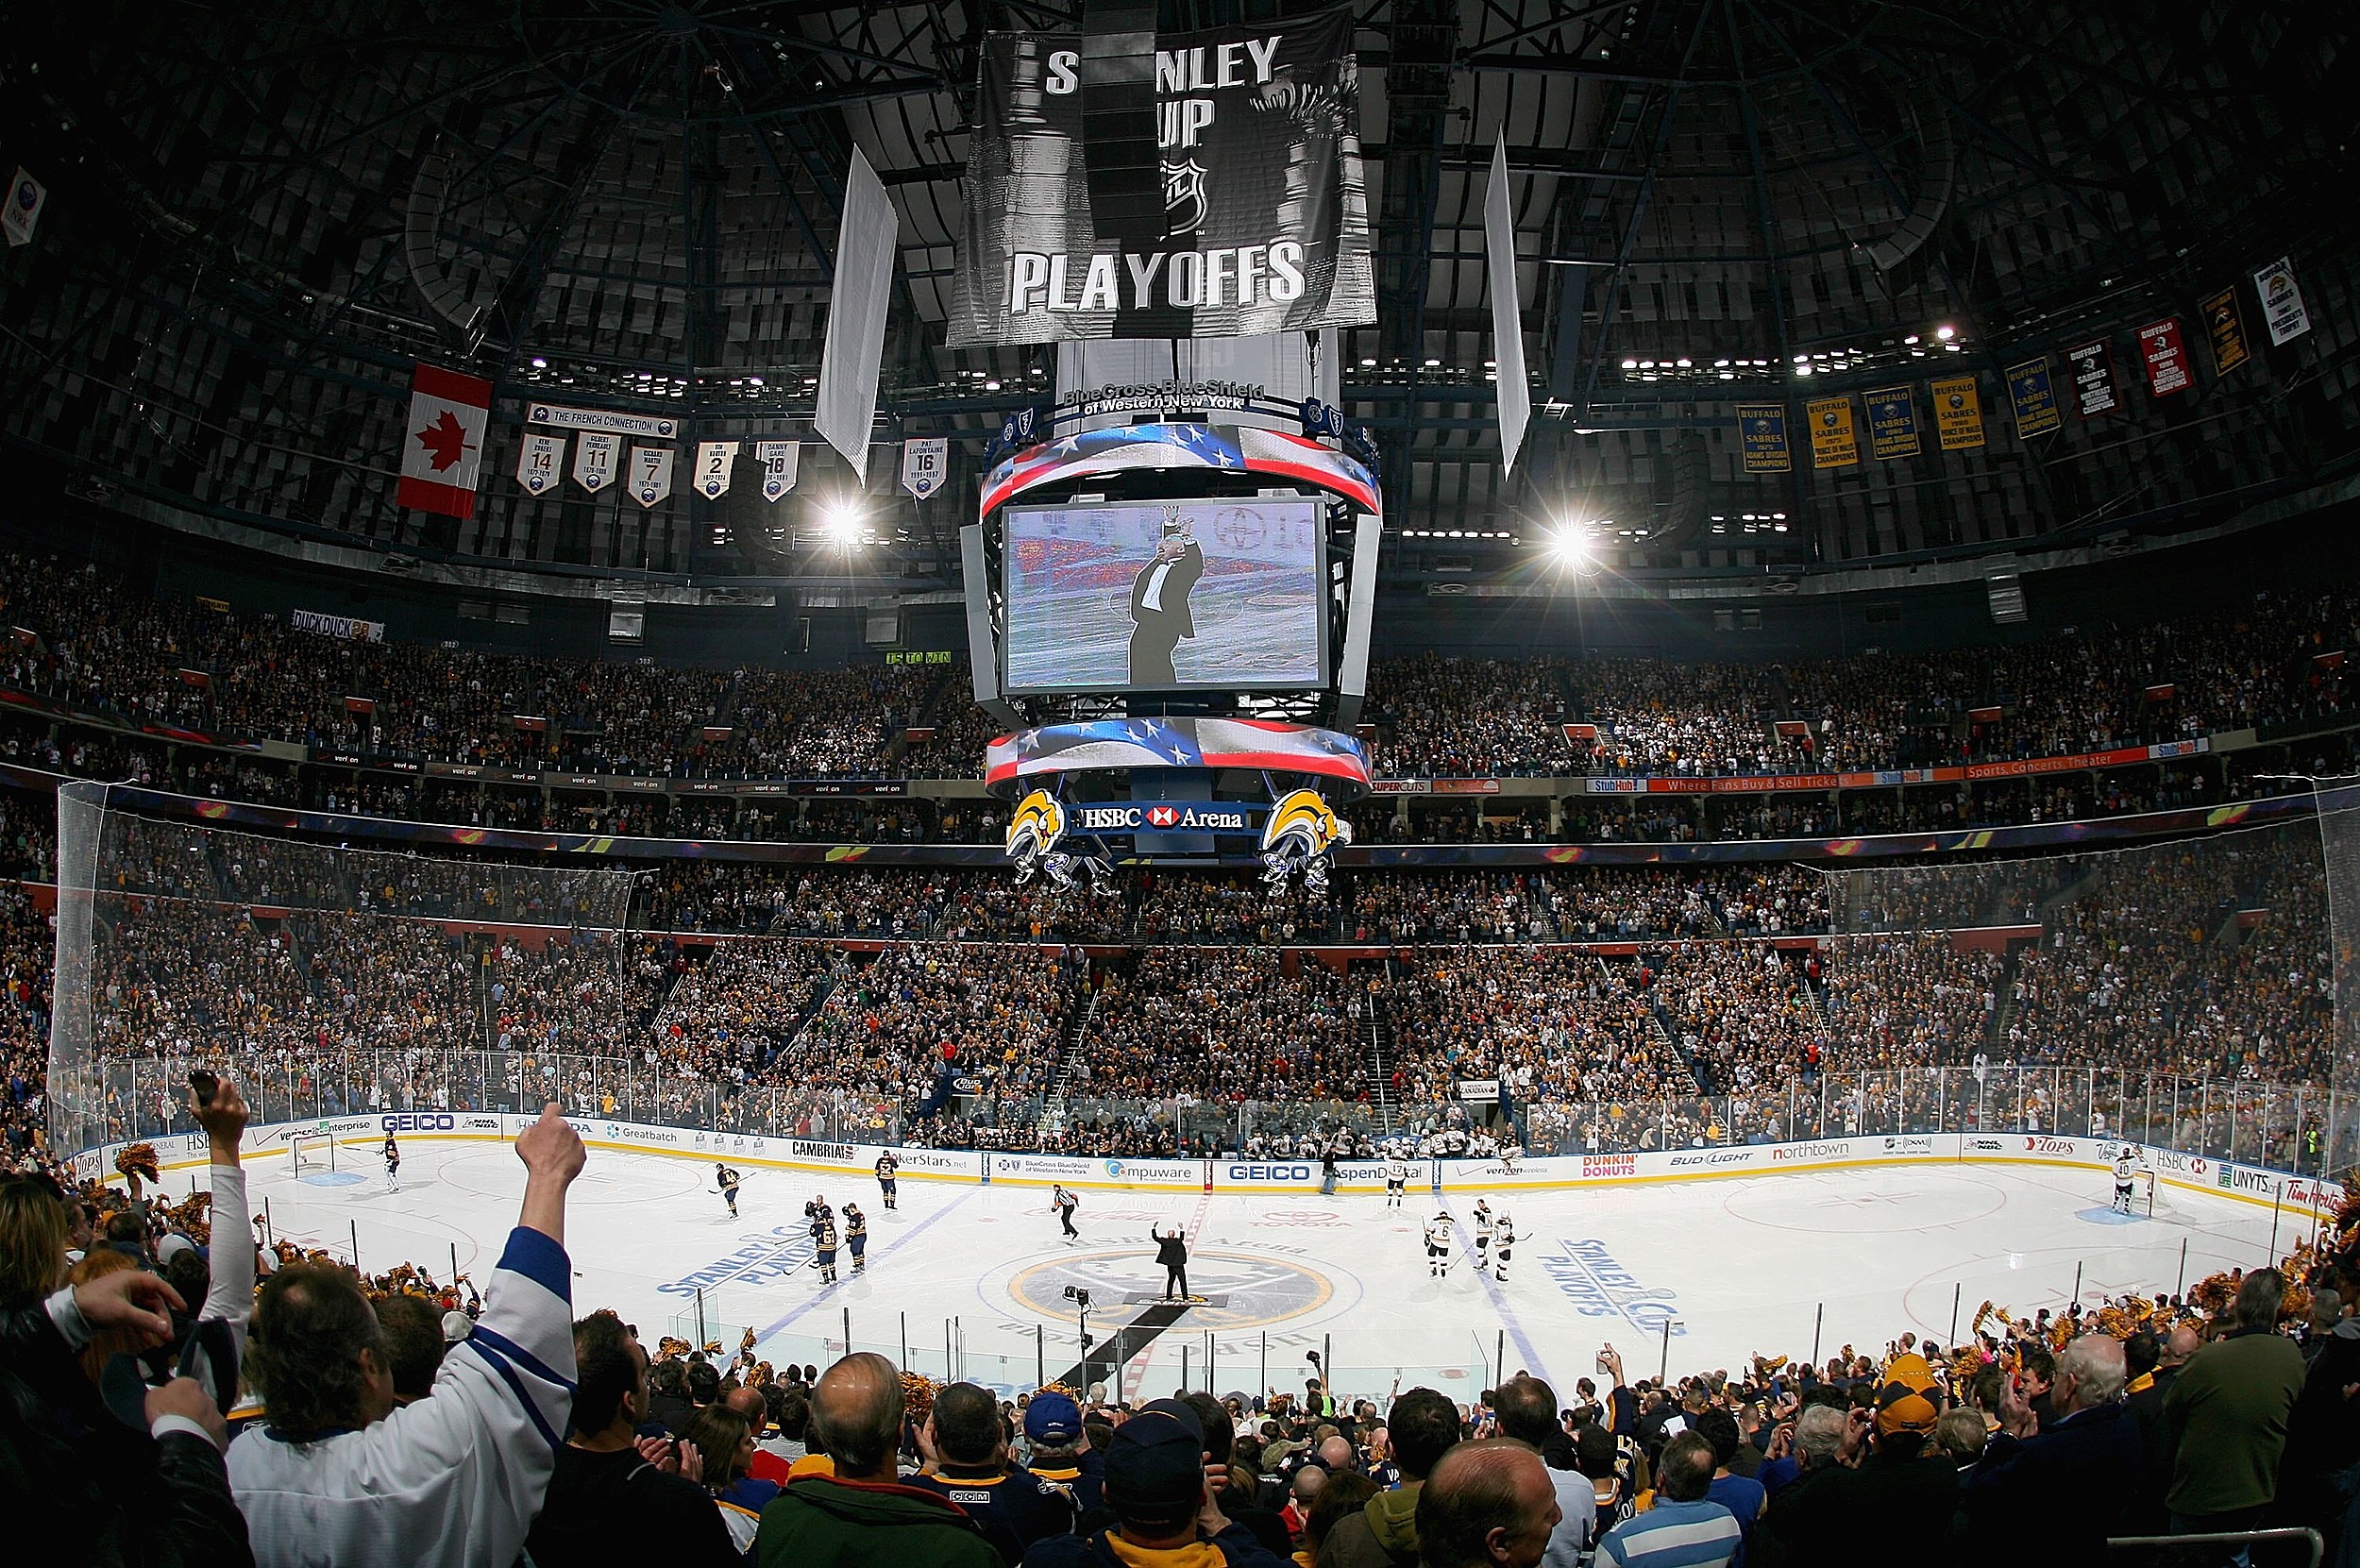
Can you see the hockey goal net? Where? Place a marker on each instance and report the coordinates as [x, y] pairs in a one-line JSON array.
[[310, 1152]]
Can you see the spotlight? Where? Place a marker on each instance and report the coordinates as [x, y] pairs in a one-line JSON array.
[[1569, 545], [1946, 333], [840, 522]]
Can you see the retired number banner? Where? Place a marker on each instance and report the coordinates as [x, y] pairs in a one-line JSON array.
[[1210, 186]]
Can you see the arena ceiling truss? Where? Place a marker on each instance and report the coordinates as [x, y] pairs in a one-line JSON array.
[[262, 215]]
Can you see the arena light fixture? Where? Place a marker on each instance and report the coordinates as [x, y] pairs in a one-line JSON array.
[[1945, 332], [840, 522]]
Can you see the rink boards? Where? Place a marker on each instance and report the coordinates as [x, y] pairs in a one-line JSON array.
[[361, 1135]]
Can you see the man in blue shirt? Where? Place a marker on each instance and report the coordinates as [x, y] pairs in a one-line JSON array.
[[1745, 1499], [1682, 1530], [968, 1453]]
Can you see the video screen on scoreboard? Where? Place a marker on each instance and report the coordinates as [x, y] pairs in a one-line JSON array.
[[1165, 596]]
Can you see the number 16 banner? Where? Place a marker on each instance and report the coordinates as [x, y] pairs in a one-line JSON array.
[[925, 464]]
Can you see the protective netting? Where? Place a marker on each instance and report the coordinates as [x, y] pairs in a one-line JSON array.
[[2339, 844], [2182, 994], [330, 981]]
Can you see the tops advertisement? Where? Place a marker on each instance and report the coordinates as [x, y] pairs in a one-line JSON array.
[[1207, 186]]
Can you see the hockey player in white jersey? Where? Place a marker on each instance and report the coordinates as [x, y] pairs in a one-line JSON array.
[[1437, 1237], [1396, 1179], [2126, 1174], [1503, 1239], [1483, 1235]]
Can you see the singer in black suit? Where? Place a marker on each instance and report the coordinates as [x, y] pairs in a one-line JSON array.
[[1159, 606], [1172, 1253]]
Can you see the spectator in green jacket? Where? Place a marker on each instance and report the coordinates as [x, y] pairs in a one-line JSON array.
[[2225, 1417], [863, 1514]]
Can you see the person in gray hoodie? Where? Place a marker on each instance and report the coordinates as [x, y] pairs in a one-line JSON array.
[[1384, 1534]]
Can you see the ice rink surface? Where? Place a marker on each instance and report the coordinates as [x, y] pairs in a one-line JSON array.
[[973, 1277]]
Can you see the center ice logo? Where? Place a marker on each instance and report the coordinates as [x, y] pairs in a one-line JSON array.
[[765, 1258], [1588, 1275], [1257, 1289]]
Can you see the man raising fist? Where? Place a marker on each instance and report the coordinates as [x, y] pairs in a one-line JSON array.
[[341, 1475]]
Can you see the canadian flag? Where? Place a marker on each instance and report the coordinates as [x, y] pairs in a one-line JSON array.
[[443, 447]]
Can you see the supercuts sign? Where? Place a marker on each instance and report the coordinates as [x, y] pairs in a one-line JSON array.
[[1207, 186]]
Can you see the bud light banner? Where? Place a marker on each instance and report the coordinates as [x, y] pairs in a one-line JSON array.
[[1207, 187]]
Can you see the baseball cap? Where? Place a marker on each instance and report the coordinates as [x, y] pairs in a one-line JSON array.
[[1906, 1400], [173, 1246], [1052, 1418], [1155, 1469]]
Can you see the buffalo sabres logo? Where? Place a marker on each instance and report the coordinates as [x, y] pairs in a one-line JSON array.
[[1034, 833], [1183, 196], [1034, 830], [1301, 830]]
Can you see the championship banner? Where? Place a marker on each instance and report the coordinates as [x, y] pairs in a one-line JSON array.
[[537, 462], [594, 462], [2093, 372], [1262, 222], [777, 460], [2166, 357], [23, 212], [2225, 324], [714, 462], [1762, 435], [925, 464], [2034, 398], [1833, 441], [1958, 413], [650, 474], [2282, 310], [1892, 422], [444, 449]]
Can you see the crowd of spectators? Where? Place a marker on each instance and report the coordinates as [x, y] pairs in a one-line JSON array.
[[1209, 1024], [292, 1409]]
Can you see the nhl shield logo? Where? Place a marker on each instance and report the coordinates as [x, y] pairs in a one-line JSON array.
[[1183, 196]]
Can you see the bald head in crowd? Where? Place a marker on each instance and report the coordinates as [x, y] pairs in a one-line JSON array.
[[1306, 1484], [857, 1415], [2183, 1342], [1336, 1454], [1487, 1504], [748, 1402]]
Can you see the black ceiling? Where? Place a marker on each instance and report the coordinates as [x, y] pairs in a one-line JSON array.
[[260, 214]]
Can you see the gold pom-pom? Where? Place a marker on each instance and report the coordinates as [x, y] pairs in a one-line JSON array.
[[917, 1395], [138, 1160]]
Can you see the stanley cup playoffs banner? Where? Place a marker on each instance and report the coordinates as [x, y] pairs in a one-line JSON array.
[[1202, 184]]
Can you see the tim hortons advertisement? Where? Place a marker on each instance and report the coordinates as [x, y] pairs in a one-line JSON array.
[[1207, 186]]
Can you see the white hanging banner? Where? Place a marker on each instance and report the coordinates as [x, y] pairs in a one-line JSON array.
[[779, 460], [854, 351], [650, 474], [1514, 399], [925, 464], [714, 462], [538, 463], [25, 196], [594, 462], [2282, 302]]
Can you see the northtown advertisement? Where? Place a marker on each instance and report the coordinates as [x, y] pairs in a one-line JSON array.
[[1207, 187]]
